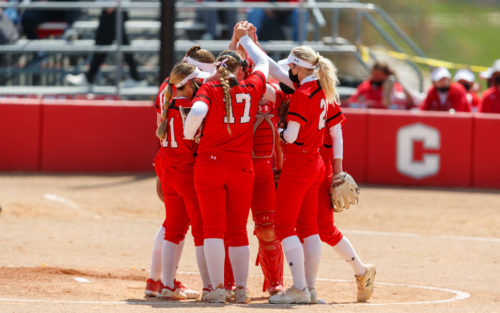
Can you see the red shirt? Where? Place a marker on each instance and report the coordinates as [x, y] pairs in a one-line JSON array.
[[371, 94], [490, 102], [472, 99], [245, 96], [308, 107], [179, 151], [456, 100]]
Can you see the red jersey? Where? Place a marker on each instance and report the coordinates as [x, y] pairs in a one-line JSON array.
[[472, 99], [456, 100], [178, 151], [308, 107], [490, 102], [371, 94], [245, 96]]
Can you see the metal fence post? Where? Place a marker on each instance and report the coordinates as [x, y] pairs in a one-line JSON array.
[[119, 34]]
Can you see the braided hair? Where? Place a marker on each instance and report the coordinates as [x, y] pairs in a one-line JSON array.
[[227, 63]]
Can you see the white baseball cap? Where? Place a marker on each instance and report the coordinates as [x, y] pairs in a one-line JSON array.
[[464, 74], [496, 66], [438, 73]]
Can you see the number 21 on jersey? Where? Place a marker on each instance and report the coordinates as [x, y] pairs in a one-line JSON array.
[[322, 116], [241, 98]]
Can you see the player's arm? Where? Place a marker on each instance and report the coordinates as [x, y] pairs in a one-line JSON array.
[[279, 73], [194, 119], [256, 54], [199, 110], [290, 134], [338, 149]]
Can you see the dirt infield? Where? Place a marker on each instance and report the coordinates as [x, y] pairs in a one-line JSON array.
[[83, 243]]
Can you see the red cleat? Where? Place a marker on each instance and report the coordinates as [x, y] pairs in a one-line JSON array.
[[190, 294], [152, 288], [275, 288]]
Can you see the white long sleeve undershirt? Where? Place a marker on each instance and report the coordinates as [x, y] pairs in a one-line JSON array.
[[291, 132], [279, 73], [194, 119], [336, 134], [256, 54]]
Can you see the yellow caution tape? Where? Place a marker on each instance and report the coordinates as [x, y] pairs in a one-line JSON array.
[[365, 55]]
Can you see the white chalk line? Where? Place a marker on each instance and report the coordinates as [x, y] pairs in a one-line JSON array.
[[81, 280], [69, 204], [457, 295]]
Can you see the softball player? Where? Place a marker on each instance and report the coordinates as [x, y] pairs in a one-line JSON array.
[[178, 189], [204, 60], [223, 171], [332, 154], [303, 169]]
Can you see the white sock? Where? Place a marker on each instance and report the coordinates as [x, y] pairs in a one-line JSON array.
[[312, 256], [155, 272], [345, 249], [168, 258], [202, 266], [178, 255], [295, 258], [240, 257], [215, 255]]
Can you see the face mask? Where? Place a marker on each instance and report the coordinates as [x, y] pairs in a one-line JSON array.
[[286, 89], [497, 80], [443, 89], [466, 86], [376, 84], [293, 78]]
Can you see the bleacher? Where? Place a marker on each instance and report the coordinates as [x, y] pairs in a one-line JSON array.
[[62, 56]]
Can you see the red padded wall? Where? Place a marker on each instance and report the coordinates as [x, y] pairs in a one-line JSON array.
[[98, 136], [452, 149], [486, 159], [20, 134], [355, 142]]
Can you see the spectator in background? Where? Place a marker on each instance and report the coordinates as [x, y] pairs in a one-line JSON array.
[[269, 23], [211, 18], [445, 95], [105, 35], [490, 102], [381, 91], [466, 78], [32, 18]]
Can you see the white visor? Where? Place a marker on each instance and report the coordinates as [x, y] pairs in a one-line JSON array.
[[205, 67], [464, 74], [195, 74], [293, 59]]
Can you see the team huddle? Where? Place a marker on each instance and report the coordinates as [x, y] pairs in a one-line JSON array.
[[242, 132]]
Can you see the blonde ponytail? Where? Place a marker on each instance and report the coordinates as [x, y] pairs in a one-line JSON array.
[[326, 71], [327, 76]]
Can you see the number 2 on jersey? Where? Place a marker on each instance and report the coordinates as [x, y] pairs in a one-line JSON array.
[[241, 98], [322, 117]]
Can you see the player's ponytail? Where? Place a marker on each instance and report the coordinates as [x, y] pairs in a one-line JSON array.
[[225, 65], [327, 75], [179, 73], [326, 71]]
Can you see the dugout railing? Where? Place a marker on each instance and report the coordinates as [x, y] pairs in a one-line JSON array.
[[149, 46]]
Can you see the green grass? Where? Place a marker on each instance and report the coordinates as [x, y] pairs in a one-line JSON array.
[[468, 37]]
